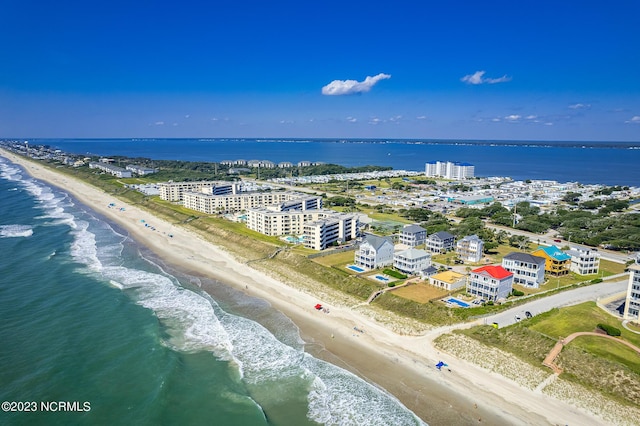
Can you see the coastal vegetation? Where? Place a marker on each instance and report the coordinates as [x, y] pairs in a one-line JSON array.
[[610, 368]]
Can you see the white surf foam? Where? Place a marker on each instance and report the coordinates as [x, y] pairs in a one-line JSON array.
[[13, 231]]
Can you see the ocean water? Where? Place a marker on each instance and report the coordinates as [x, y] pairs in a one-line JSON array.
[[610, 163], [88, 317]]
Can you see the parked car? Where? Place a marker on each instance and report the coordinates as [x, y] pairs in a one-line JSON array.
[[528, 314], [517, 318], [557, 241]]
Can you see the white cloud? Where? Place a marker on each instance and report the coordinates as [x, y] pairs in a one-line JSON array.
[[580, 106], [531, 117], [349, 87], [187, 116], [375, 120], [286, 122], [478, 78], [634, 120], [352, 119], [159, 123], [422, 117], [513, 117]]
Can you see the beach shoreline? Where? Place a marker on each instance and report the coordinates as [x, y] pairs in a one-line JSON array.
[[402, 365]]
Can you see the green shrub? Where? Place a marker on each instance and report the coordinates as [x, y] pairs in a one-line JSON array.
[[596, 280], [611, 331], [517, 292], [392, 284], [394, 274]]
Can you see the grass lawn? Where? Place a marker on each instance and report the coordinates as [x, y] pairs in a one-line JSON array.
[[583, 317], [420, 293], [336, 259]]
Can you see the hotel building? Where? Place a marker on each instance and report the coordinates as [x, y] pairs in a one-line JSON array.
[[449, 170], [212, 204]]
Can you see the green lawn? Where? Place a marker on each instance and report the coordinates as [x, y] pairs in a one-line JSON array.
[[584, 317]]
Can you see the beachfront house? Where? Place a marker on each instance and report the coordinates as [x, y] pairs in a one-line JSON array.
[[557, 262], [527, 269], [430, 271], [448, 280], [413, 235], [632, 302], [374, 252], [470, 248], [584, 261], [411, 261], [440, 242], [490, 283]]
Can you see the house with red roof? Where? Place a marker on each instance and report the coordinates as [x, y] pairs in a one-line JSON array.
[[490, 282]]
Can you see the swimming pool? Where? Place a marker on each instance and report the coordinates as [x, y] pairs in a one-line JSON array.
[[460, 303], [381, 278], [355, 268]]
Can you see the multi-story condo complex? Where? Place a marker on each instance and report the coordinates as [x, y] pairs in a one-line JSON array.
[[440, 242], [470, 248], [584, 261], [339, 227], [374, 252], [557, 262], [275, 222], [632, 302], [490, 282], [411, 261], [212, 204], [114, 170], [173, 191], [413, 235], [141, 171], [527, 269], [449, 170]]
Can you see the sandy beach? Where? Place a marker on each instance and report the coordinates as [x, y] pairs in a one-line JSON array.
[[403, 365]]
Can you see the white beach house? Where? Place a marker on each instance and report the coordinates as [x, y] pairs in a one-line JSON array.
[[470, 248], [374, 252], [412, 235], [490, 282], [411, 261], [527, 269]]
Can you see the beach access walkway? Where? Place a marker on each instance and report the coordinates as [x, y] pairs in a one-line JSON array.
[[549, 361], [384, 290]]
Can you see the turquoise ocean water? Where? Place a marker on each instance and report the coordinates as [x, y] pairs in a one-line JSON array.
[[87, 316]]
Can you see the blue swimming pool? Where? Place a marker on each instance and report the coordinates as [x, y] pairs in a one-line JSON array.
[[381, 278], [457, 302], [355, 268]]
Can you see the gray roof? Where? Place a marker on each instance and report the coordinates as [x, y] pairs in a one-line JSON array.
[[525, 257], [430, 270], [442, 235], [412, 229], [413, 253], [375, 241], [471, 238]]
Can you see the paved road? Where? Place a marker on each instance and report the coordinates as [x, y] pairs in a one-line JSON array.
[[548, 239], [566, 298]]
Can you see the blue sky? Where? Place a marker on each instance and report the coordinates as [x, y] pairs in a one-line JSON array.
[[544, 70]]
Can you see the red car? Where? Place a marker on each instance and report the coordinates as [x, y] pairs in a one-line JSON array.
[[557, 241]]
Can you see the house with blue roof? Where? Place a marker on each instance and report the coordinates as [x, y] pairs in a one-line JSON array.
[[557, 262]]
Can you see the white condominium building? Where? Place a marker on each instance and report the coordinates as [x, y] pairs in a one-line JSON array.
[[173, 191], [632, 303], [339, 227], [449, 170], [212, 204]]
